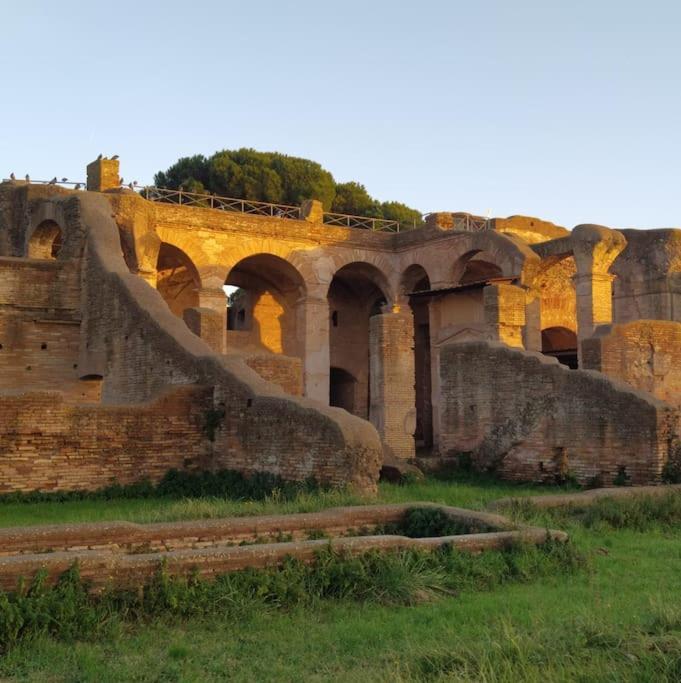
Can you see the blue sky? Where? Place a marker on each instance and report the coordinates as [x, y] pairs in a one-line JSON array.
[[570, 111]]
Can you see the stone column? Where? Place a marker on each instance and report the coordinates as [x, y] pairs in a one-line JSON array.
[[313, 326], [504, 313], [209, 319], [391, 361]]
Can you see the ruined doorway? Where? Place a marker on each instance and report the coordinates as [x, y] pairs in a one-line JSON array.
[[357, 292], [342, 389], [415, 279]]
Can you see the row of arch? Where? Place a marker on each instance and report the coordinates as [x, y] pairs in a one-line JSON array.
[[180, 272]]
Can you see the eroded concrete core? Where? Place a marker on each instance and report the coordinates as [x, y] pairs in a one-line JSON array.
[[509, 344]]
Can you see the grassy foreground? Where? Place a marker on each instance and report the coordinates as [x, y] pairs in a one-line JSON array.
[[618, 621]]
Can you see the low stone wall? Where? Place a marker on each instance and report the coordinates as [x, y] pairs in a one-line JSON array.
[[529, 418], [47, 444], [128, 555], [644, 353]]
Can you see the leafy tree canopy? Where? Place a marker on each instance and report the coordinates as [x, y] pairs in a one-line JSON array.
[[277, 178]]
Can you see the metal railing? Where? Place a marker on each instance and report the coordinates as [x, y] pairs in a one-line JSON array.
[[361, 222], [64, 182], [247, 206], [211, 201], [469, 223]]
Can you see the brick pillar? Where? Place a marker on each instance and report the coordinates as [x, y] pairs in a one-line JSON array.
[[102, 175], [313, 323], [595, 249], [532, 329], [505, 313], [391, 362], [209, 319], [594, 301]]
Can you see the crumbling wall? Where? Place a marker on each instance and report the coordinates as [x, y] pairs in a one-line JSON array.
[[40, 328], [645, 354], [529, 418], [48, 445], [134, 341]]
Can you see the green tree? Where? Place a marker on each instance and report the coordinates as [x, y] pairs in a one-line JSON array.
[[353, 198], [396, 211], [279, 179]]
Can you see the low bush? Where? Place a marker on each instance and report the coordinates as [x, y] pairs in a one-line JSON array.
[[427, 522], [69, 611]]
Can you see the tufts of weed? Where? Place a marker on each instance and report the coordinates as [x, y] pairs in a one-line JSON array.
[[179, 484], [69, 611]]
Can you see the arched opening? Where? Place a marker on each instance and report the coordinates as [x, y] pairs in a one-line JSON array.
[[177, 279], [46, 241], [342, 389], [357, 292], [263, 291], [561, 343], [478, 269], [415, 279]]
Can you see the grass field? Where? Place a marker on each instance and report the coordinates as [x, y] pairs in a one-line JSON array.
[[620, 620]]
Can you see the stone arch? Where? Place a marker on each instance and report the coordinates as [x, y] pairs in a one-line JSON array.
[[364, 273], [264, 292], [414, 278], [477, 265], [45, 241], [506, 255], [177, 279]]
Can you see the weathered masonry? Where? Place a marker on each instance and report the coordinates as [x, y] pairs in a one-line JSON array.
[[140, 335]]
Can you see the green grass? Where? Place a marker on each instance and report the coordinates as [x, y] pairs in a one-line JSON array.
[[619, 621], [473, 493]]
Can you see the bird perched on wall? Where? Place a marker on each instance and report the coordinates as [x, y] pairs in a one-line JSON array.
[[99, 158], [134, 182], [64, 180], [122, 181], [131, 186], [77, 187], [53, 181], [27, 178], [12, 176], [114, 157]]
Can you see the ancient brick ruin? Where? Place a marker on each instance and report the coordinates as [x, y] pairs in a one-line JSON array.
[[508, 344]]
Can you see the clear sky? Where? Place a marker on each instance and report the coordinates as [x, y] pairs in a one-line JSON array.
[[567, 110]]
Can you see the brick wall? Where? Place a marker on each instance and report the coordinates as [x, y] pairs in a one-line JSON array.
[[646, 354], [531, 418], [40, 328], [284, 371], [141, 348], [49, 445]]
